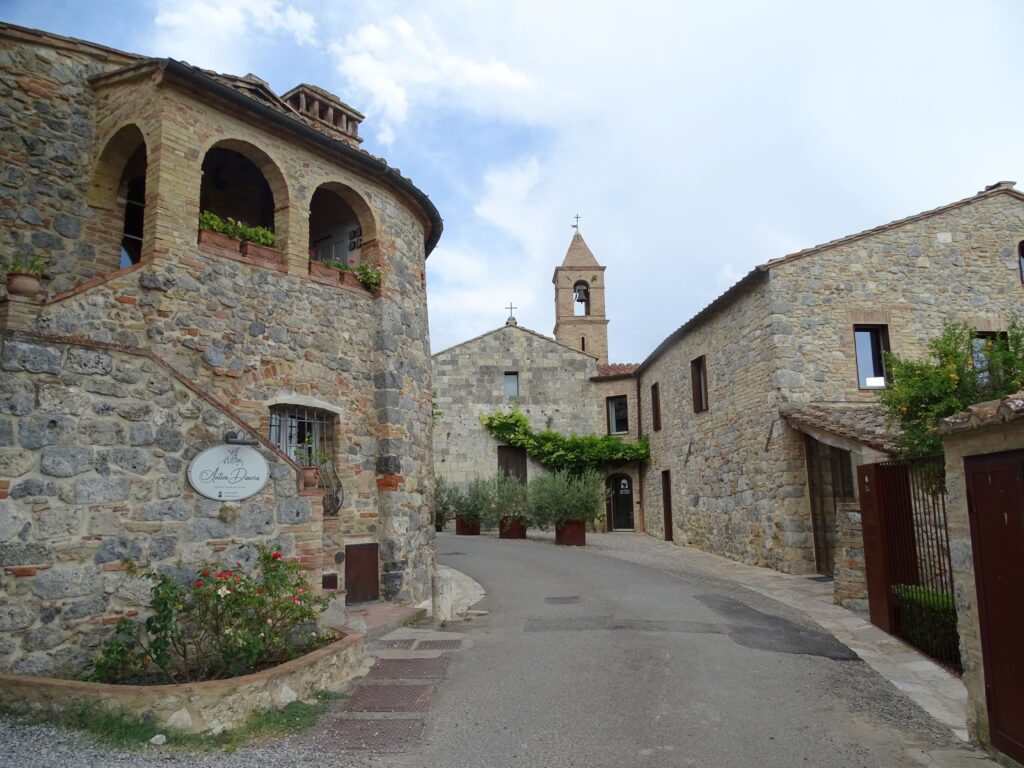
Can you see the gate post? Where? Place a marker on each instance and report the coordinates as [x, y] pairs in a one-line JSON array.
[[876, 552]]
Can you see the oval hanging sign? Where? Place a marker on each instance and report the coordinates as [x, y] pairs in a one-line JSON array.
[[229, 472]]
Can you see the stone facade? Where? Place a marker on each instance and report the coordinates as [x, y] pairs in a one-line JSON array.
[[554, 393], [784, 335], [987, 428], [83, 130]]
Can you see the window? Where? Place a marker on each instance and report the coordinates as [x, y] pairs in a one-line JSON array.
[[618, 415], [842, 474], [581, 298], [335, 233], [1020, 259], [655, 408], [699, 383], [134, 214], [302, 433], [871, 342], [981, 348], [511, 384]]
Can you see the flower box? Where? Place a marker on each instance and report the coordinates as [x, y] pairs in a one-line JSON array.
[[572, 533], [218, 240], [262, 252]]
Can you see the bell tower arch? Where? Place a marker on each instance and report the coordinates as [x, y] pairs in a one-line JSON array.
[[580, 321]]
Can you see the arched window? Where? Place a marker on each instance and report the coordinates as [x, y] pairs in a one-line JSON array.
[[234, 187], [118, 194], [581, 298], [340, 223]]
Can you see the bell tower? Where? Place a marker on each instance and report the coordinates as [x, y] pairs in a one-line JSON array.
[[580, 321]]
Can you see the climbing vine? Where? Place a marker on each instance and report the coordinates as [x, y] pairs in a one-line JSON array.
[[574, 454]]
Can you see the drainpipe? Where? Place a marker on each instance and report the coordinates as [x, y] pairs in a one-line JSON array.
[[640, 524]]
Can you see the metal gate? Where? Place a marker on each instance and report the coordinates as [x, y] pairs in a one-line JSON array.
[[906, 555]]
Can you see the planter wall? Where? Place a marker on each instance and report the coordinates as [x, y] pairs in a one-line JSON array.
[[213, 707], [462, 528], [571, 534], [262, 252], [511, 529], [219, 240]]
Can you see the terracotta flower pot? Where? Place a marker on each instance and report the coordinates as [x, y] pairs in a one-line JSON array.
[[219, 240], [262, 252], [511, 529], [571, 534], [463, 528], [310, 477], [19, 284]]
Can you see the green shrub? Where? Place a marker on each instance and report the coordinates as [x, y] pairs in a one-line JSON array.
[[927, 619], [562, 497], [236, 229], [27, 264], [446, 501], [508, 500], [223, 624], [475, 501]]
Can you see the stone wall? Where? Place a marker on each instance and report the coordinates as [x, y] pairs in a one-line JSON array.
[[210, 707], [851, 586], [96, 443], [555, 392], [603, 388], [251, 331], [739, 480], [981, 439]]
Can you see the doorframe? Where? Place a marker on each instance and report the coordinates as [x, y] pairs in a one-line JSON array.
[[610, 508], [666, 504]]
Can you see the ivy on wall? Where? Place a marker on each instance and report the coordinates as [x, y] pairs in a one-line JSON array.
[[558, 453]]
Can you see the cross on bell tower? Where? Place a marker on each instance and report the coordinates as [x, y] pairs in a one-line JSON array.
[[580, 321]]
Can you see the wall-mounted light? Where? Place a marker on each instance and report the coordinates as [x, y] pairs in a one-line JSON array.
[[239, 437]]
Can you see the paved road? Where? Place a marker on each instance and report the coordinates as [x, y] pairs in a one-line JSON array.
[[588, 660]]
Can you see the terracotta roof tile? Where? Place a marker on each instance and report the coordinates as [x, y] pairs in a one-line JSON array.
[[863, 423], [617, 369], [1006, 409]]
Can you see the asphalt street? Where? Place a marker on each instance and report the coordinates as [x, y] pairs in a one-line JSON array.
[[588, 660]]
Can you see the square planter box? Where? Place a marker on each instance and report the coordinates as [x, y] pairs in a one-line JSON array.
[[218, 240], [262, 252]]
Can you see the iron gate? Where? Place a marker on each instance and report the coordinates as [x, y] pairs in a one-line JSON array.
[[906, 555]]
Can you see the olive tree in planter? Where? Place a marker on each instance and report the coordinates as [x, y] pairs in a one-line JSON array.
[[509, 508], [446, 502], [567, 502], [473, 504]]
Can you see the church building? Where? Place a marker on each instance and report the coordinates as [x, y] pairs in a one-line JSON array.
[[565, 384]]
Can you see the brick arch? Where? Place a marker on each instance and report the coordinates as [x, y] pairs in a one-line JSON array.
[[358, 204], [270, 169], [333, 208], [110, 166]]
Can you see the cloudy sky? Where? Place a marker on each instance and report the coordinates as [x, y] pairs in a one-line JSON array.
[[694, 139]]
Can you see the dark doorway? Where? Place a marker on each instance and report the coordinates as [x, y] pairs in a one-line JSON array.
[[995, 502], [362, 574], [666, 502], [620, 503], [829, 482], [512, 461]]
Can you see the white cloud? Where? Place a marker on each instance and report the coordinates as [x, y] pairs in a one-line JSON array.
[[218, 34]]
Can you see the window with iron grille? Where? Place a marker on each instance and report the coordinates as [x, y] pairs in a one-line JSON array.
[[302, 432]]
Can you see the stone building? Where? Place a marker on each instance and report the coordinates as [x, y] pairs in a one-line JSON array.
[[563, 384], [759, 407], [150, 340]]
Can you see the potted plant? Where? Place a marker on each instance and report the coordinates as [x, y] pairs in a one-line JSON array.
[[472, 506], [23, 274], [311, 459], [509, 508], [446, 500], [567, 502]]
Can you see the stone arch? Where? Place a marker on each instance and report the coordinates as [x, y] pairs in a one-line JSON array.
[[241, 181], [342, 226], [117, 192], [581, 298]]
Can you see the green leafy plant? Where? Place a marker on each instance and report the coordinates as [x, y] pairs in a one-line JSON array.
[[961, 370], [236, 229], [562, 497], [926, 618], [474, 501], [309, 455], [446, 501], [508, 501], [27, 264], [574, 454], [369, 276], [223, 624]]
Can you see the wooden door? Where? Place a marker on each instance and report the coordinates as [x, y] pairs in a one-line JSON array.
[[995, 501], [666, 503], [362, 574], [620, 503], [512, 461]]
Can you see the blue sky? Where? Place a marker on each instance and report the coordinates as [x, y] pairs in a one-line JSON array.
[[694, 139]]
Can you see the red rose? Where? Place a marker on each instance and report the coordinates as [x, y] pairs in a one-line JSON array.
[[276, 555], [199, 583]]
